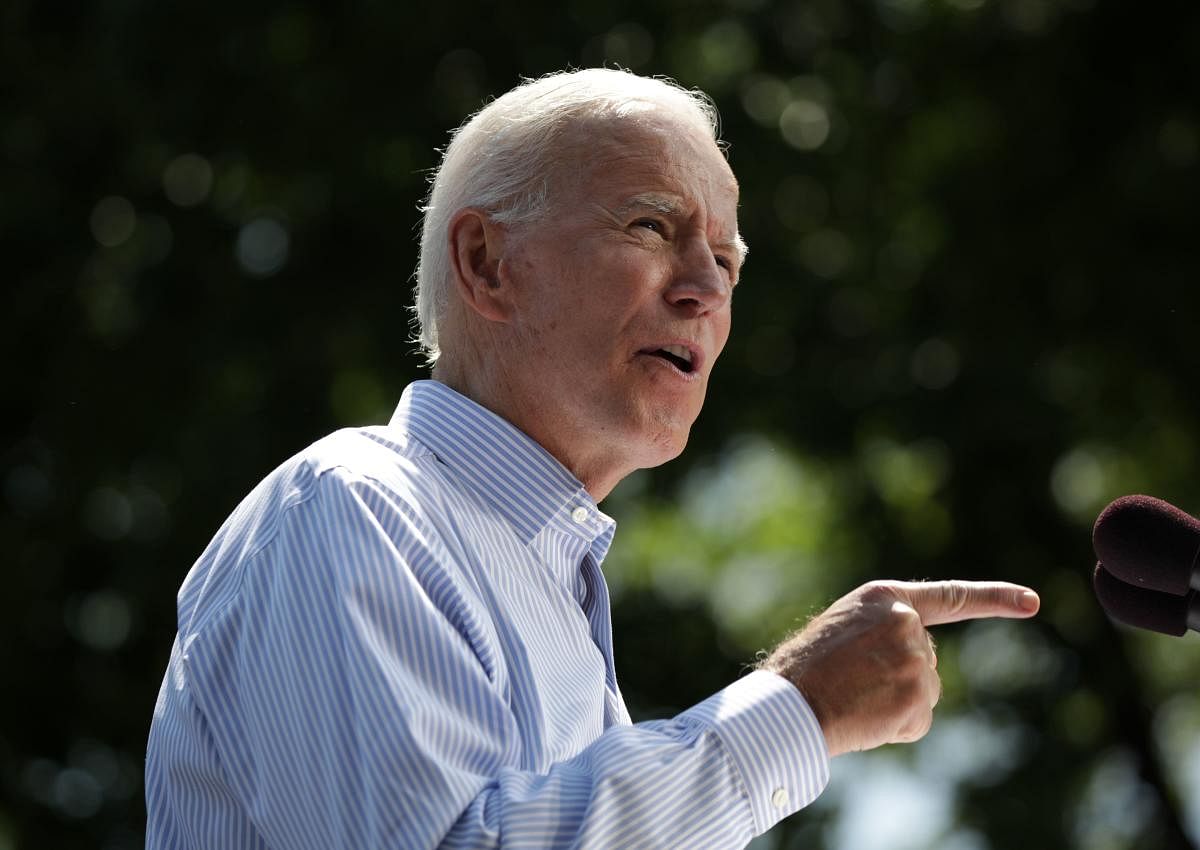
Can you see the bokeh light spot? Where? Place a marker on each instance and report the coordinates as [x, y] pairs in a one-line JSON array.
[[1179, 142], [764, 98], [804, 124], [113, 221], [972, 747], [262, 247], [883, 806], [98, 759], [726, 50], [826, 253], [77, 794], [1003, 657], [1078, 481], [107, 302], [902, 15], [107, 513], [151, 520], [629, 44], [103, 620], [187, 180], [935, 364], [232, 181], [1080, 718], [1031, 17], [905, 475], [1115, 805], [38, 779]]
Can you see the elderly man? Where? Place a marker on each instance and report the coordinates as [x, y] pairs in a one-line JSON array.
[[401, 638]]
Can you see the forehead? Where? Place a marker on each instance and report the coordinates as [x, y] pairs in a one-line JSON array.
[[623, 161]]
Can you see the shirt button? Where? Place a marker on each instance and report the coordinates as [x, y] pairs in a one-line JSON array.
[[780, 798], [580, 514]]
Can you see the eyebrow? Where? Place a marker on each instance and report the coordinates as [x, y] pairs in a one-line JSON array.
[[669, 205], [664, 204]]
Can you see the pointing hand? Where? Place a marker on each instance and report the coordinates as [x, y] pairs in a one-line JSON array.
[[867, 665]]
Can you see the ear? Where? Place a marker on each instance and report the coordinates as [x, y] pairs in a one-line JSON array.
[[477, 245]]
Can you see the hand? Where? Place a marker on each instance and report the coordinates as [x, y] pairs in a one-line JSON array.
[[867, 665]]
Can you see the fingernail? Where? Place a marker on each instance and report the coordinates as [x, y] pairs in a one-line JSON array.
[[1029, 601]]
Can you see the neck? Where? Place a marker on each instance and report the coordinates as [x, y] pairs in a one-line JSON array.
[[581, 454]]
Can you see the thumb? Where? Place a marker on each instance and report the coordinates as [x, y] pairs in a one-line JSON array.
[[951, 601]]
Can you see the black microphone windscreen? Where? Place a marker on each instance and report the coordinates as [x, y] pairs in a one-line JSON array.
[[1148, 542], [1143, 609]]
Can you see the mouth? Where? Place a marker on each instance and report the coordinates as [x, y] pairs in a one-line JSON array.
[[683, 358]]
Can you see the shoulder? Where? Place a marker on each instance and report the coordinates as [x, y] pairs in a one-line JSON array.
[[376, 471], [324, 498], [351, 454], [375, 452]]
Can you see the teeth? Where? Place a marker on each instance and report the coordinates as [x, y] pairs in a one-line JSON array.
[[679, 351]]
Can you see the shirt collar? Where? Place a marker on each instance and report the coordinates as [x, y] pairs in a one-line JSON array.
[[523, 482]]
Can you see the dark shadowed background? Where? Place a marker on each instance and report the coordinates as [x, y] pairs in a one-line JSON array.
[[968, 321]]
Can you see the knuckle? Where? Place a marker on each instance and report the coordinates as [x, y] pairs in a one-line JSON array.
[[908, 619], [877, 592], [955, 595], [906, 627], [963, 594]]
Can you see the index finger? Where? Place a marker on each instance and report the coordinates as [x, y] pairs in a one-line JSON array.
[[951, 601]]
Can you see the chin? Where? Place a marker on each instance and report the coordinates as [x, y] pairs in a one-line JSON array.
[[657, 432], [664, 445]]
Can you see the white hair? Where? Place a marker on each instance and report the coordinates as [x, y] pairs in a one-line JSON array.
[[503, 157]]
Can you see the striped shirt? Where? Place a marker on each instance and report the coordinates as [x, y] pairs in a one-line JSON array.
[[401, 639]]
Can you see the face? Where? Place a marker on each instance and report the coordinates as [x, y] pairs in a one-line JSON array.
[[623, 296]]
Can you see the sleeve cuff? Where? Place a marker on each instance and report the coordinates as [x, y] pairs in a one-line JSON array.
[[774, 741]]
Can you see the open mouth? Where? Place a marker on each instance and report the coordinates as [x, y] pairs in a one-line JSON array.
[[677, 355]]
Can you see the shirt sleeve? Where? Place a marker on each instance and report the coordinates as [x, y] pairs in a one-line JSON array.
[[350, 706]]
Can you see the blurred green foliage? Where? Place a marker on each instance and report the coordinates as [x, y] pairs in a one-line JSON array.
[[967, 322]]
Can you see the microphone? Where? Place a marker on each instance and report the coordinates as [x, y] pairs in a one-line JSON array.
[[1146, 609], [1149, 543]]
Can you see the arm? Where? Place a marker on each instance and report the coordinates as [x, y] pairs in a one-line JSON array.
[[350, 703], [710, 777]]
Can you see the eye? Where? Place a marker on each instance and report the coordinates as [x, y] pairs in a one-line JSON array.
[[729, 265], [651, 224]]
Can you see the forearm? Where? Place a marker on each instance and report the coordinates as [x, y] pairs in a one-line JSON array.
[[714, 776]]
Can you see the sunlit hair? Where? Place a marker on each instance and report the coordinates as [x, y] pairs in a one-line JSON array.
[[503, 158]]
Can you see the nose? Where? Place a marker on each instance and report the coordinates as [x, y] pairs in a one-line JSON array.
[[699, 285]]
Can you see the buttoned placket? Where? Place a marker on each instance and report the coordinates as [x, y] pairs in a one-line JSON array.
[[595, 604]]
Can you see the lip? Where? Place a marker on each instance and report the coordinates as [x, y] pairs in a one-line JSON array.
[[696, 352]]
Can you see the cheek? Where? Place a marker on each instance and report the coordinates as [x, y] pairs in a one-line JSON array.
[[616, 296], [583, 306], [721, 334]]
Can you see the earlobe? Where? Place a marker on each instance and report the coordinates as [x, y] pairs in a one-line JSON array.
[[476, 256]]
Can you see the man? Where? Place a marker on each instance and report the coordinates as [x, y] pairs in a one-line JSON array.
[[401, 638]]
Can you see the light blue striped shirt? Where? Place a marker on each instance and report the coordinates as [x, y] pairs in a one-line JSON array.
[[401, 639]]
